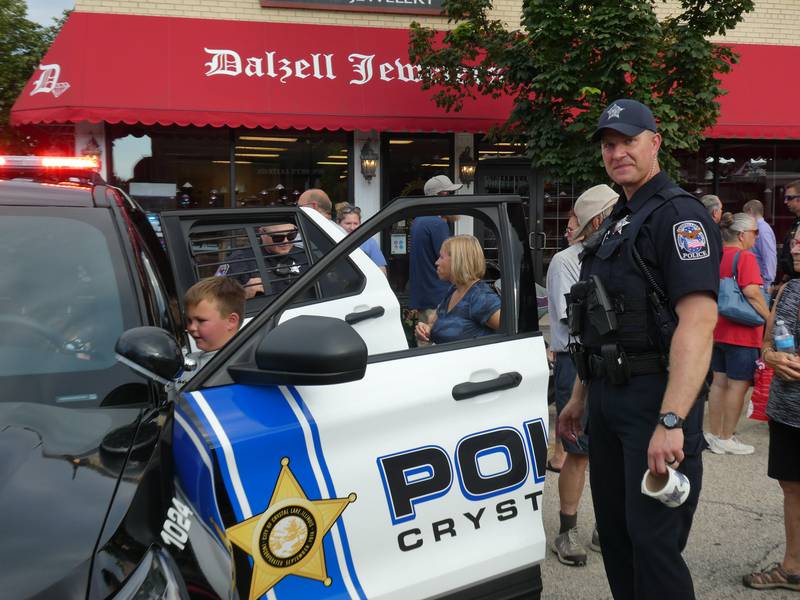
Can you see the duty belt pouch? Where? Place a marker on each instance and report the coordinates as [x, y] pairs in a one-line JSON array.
[[580, 358], [574, 315], [616, 364]]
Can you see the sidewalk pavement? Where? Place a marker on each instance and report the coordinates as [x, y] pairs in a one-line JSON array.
[[738, 528]]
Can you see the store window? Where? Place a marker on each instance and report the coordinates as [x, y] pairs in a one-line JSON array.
[[166, 168], [275, 167], [738, 171]]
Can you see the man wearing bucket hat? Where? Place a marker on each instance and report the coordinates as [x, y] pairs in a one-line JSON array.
[[644, 312], [591, 208]]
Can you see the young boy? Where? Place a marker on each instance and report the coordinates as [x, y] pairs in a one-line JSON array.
[[214, 313]]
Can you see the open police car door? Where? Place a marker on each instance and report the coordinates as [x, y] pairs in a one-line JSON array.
[[330, 470], [267, 250]]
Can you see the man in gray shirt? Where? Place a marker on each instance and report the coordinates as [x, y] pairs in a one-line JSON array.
[[591, 208]]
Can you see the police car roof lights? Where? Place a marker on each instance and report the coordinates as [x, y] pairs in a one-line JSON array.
[[88, 163]]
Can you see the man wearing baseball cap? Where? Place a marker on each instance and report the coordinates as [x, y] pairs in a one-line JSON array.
[[426, 290], [645, 330], [591, 209], [440, 185]]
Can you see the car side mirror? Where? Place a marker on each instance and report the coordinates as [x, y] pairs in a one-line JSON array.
[[306, 350], [150, 351]]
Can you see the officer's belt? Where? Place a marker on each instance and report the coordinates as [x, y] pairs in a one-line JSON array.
[[643, 363]]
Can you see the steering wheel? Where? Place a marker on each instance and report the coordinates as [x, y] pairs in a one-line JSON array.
[[32, 326]]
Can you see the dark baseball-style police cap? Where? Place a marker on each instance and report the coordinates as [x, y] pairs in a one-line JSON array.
[[627, 116]]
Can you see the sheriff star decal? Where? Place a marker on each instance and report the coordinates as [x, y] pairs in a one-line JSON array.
[[613, 111], [691, 240], [286, 539]]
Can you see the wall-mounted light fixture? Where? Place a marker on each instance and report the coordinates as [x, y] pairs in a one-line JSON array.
[[369, 162], [466, 167]]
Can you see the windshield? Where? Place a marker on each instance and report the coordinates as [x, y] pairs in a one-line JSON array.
[[63, 304]]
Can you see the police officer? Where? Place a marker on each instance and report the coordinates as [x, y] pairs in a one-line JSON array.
[[646, 332], [283, 261]]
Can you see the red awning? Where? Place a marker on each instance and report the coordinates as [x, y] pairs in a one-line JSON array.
[[137, 69], [760, 102]]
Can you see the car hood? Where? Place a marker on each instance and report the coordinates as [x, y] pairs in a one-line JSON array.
[[58, 473]]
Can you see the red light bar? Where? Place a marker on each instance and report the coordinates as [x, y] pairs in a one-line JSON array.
[[70, 162], [88, 163]]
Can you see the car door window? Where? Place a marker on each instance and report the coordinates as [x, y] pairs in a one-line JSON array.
[[267, 256], [427, 295]]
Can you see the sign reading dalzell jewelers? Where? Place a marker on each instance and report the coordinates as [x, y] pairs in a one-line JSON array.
[[408, 7], [206, 72]]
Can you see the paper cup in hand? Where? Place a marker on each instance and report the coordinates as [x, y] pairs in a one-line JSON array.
[[672, 488]]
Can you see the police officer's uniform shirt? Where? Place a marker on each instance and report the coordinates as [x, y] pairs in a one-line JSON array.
[[679, 242]]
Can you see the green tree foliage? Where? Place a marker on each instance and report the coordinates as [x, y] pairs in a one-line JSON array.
[[23, 43], [570, 58]]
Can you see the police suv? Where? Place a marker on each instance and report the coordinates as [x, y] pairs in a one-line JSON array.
[[320, 454]]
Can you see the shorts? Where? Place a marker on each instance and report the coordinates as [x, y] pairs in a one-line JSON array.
[[737, 362], [784, 448], [564, 379]]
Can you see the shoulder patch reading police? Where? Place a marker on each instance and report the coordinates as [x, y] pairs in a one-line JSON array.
[[691, 240]]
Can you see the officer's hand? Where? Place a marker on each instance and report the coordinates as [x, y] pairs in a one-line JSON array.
[[253, 287], [666, 448], [423, 332], [571, 417]]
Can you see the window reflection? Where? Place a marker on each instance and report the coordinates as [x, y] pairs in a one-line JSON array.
[[274, 168], [166, 168]]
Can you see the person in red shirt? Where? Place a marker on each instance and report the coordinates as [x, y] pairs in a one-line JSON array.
[[736, 347]]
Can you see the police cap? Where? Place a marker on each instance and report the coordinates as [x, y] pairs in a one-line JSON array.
[[627, 116]]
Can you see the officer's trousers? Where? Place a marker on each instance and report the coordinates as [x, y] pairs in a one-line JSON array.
[[641, 538]]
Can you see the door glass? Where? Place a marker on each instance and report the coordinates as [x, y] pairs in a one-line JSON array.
[[408, 162], [428, 289], [275, 252]]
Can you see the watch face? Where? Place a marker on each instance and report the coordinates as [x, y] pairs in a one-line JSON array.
[[669, 420]]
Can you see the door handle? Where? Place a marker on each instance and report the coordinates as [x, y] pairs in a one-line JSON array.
[[370, 313], [468, 389]]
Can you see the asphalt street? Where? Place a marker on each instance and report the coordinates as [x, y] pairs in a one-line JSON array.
[[738, 528]]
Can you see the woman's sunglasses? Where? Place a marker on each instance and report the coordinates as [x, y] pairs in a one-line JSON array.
[[346, 210]]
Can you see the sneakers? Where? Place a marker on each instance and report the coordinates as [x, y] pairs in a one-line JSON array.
[[568, 549], [710, 438], [595, 545], [730, 446]]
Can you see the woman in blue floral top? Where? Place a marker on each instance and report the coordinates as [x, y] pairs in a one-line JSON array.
[[470, 308]]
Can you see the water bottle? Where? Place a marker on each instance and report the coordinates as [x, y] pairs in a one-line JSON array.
[[782, 338]]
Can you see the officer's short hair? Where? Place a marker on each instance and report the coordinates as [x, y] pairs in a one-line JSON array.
[[793, 184], [754, 206], [711, 202], [467, 262], [227, 293]]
